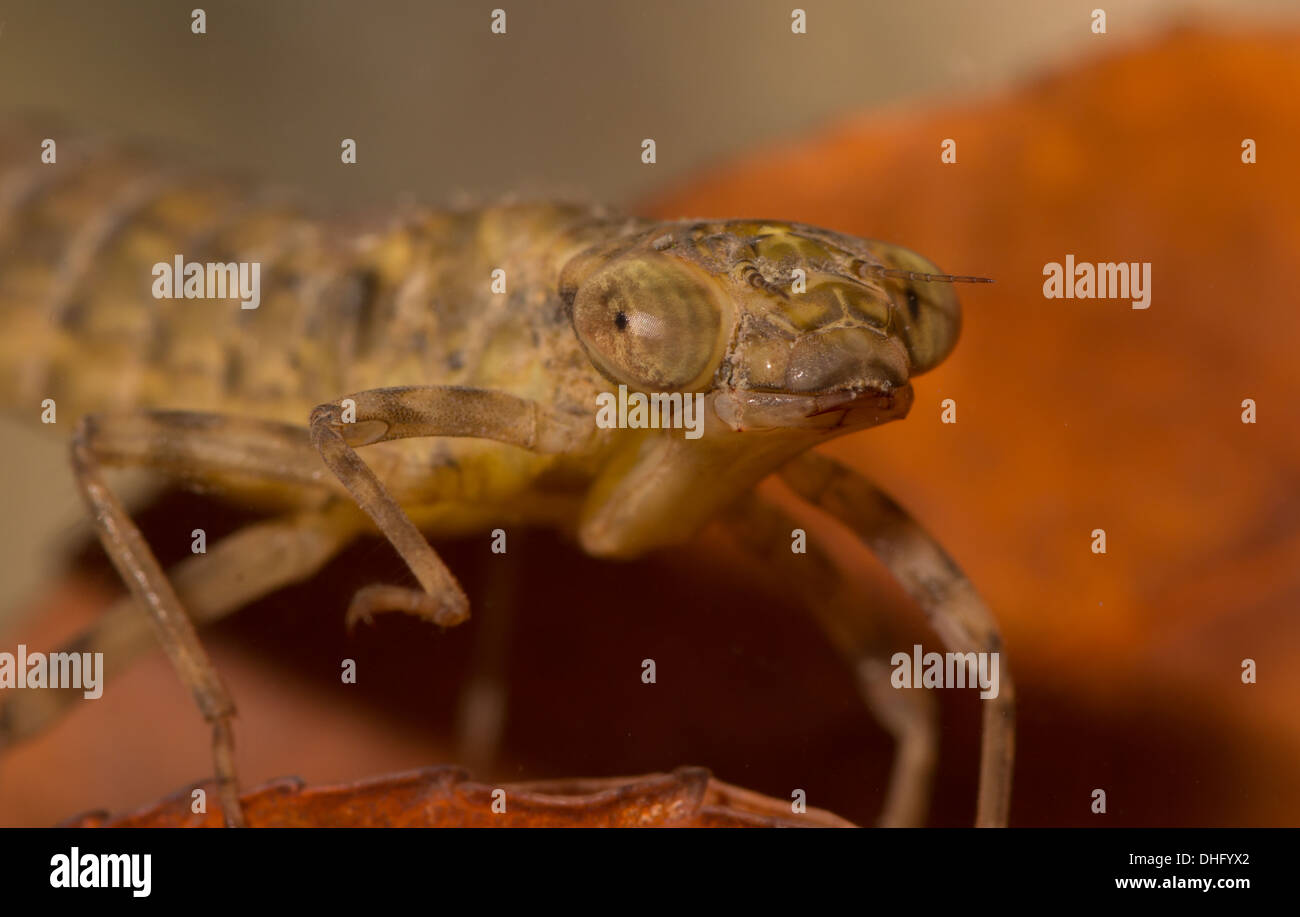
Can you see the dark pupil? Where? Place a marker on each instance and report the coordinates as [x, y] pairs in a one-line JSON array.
[[620, 321]]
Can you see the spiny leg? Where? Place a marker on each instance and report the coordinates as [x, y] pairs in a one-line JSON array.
[[196, 444], [236, 571], [934, 580], [847, 617], [382, 415]]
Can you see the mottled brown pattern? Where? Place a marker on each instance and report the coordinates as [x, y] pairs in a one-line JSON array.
[[346, 307], [476, 404], [343, 307]]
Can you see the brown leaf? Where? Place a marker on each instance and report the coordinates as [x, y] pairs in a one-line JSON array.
[[1082, 414], [446, 797]]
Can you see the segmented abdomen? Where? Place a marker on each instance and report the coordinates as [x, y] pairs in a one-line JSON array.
[[341, 308]]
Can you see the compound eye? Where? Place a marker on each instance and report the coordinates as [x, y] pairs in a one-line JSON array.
[[933, 321], [928, 311], [653, 323]]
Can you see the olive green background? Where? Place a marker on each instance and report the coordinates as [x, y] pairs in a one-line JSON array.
[[440, 107]]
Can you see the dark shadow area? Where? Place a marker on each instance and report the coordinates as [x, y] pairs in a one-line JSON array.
[[746, 684]]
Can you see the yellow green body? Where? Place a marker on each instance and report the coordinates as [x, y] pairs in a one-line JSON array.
[[476, 349], [534, 300]]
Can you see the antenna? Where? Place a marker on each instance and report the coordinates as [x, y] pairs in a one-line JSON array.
[[879, 270]]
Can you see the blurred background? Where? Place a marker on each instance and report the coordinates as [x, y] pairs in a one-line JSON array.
[[1123, 146]]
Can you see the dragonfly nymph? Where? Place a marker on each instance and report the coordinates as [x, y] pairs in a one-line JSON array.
[[442, 374]]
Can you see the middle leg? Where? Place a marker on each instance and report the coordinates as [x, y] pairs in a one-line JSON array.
[[241, 568]]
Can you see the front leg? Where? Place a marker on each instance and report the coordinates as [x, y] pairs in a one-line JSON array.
[[934, 580], [382, 415]]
